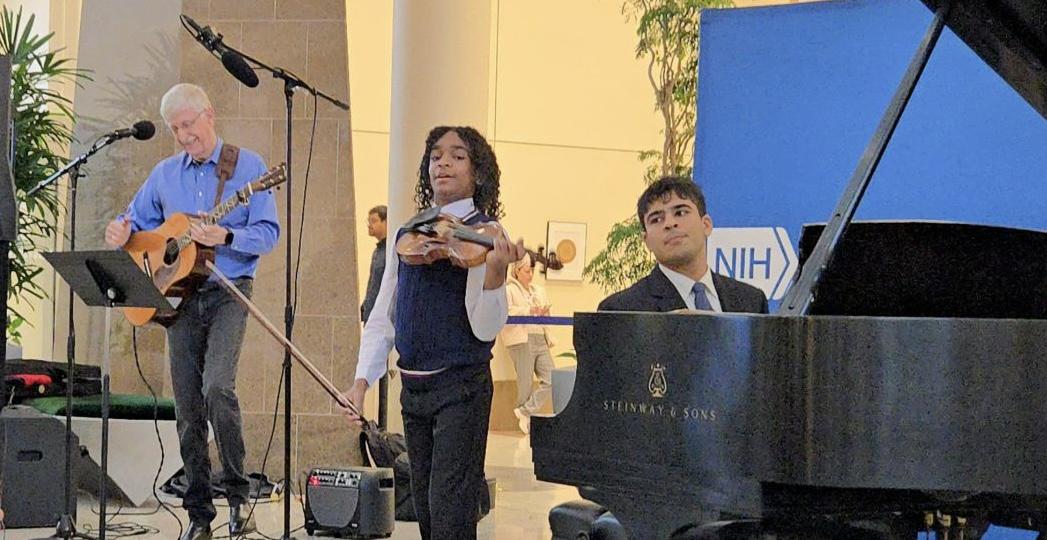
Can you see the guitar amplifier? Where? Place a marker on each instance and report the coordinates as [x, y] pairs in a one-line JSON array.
[[354, 502], [32, 470]]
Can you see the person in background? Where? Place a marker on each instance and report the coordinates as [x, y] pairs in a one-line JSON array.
[[528, 345], [377, 229]]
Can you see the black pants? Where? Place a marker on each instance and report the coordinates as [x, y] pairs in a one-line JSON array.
[[445, 420], [205, 350]]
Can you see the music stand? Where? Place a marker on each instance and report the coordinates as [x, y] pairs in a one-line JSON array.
[[106, 279]]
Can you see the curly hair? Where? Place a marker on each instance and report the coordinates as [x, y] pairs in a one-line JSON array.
[[485, 171]]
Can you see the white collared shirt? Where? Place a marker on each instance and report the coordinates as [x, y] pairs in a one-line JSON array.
[[685, 286], [487, 309]]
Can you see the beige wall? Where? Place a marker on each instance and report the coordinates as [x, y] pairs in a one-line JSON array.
[[570, 111]]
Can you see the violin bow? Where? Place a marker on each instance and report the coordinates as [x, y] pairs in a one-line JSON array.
[[297, 354]]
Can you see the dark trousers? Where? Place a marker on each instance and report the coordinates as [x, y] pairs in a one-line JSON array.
[[445, 421], [204, 344]]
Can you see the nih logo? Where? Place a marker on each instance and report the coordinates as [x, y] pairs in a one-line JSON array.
[[760, 256]]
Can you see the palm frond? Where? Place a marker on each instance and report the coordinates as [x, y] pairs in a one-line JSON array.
[[43, 120]]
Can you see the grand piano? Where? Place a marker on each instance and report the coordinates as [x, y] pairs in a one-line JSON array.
[[882, 392]]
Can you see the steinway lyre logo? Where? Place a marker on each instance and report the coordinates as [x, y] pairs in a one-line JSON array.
[[657, 384]]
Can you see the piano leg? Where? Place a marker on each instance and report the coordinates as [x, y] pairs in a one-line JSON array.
[[643, 521]]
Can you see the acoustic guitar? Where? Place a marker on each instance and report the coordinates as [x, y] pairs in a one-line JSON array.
[[176, 263]]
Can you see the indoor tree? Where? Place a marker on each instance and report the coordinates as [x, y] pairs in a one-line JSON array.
[[668, 37]]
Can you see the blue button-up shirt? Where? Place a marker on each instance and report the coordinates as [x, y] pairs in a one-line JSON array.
[[179, 185]]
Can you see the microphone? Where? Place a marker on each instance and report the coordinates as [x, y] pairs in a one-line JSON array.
[[234, 63], [237, 66], [143, 130]]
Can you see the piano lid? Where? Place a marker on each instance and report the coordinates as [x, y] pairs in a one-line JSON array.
[[932, 269], [1010, 36]]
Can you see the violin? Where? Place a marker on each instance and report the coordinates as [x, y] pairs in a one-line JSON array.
[[432, 236]]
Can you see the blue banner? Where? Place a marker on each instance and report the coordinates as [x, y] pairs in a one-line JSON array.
[[788, 98]]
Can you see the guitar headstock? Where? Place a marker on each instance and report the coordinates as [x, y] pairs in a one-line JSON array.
[[273, 177]]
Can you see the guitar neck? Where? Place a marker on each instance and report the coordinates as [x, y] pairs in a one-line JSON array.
[[220, 211], [228, 205]]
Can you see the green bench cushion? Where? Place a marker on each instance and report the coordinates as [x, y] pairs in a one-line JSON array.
[[121, 406]]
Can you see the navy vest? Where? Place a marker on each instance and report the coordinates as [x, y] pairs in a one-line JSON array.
[[432, 326]]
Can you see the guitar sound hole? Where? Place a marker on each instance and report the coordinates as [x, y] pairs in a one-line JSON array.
[[171, 253]]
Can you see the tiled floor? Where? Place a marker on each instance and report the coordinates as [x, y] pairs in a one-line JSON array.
[[521, 508]]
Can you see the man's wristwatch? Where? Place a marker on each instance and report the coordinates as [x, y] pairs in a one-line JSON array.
[[229, 238]]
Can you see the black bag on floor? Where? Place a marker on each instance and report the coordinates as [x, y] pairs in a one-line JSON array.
[[260, 485], [87, 380], [383, 449]]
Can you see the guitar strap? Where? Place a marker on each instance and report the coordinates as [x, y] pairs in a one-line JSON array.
[[226, 167]]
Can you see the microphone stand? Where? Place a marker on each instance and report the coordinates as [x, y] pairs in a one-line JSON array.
[[291, 82], [102, 142], [66, 527]]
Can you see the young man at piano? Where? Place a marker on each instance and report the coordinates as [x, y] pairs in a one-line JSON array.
[[205, 340], [676, 228], [443, 321]]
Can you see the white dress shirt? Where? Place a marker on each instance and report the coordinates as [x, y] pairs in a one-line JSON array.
[[685, 286], [487, 309]]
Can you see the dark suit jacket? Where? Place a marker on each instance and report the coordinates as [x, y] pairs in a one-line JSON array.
[[656, 293]]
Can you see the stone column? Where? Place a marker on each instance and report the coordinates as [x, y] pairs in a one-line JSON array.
[[441, 76], [137, 51]]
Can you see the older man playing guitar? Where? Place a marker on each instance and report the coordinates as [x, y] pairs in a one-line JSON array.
[[206, 337]]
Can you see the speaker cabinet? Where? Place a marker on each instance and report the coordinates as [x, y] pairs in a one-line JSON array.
[[354, 502], [32, 473]]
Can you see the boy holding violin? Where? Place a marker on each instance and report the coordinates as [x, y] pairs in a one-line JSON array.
[[443, 319]]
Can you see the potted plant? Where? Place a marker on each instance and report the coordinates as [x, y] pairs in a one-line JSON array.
[[43, 121]]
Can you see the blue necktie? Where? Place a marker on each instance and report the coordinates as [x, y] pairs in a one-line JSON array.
[[701, 301]]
